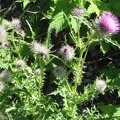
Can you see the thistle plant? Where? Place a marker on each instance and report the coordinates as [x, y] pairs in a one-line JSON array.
[[42, 81]]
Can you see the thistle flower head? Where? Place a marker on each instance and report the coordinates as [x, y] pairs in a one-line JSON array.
[[20, 64], [40, 50], [37, 71], [59, 72], [16, 23], [101, 85], [3, 34], [78, 12], [5, 75], [67, 52], [6, 45], [109, 23], [1, 86]]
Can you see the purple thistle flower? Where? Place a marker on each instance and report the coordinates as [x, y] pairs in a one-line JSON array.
[[78, 12], [109, 23]]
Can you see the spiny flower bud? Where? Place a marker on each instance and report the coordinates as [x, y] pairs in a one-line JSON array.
[[16, 23], [59, 72], [6, 45], [5, 75], [78, 12], [67, 52], [101, 85], [20, 64], [3, 34], [40, 50], [1, 86], [37, 71]]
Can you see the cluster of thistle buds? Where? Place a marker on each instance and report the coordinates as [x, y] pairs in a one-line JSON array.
[[16, 24]]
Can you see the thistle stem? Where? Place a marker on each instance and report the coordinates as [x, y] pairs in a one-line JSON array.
[[17, 51]]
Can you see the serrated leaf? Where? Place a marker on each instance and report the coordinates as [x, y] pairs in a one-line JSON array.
[[93, 9], [3, 65], [2, 53], [58, 22]]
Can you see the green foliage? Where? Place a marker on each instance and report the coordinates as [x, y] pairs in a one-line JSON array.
[[58, 22], [112, 75], [110, 110], [3, 63], [25, 2]]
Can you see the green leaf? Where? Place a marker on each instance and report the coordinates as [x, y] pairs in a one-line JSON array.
[[3, 64], [110, 110], [93, 9], [112, 75], [6, 94], [111, 72], [113, 42], [2, 53], [115, 5], [58, 22], [104, 47], [25, 3], [74, 24]]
